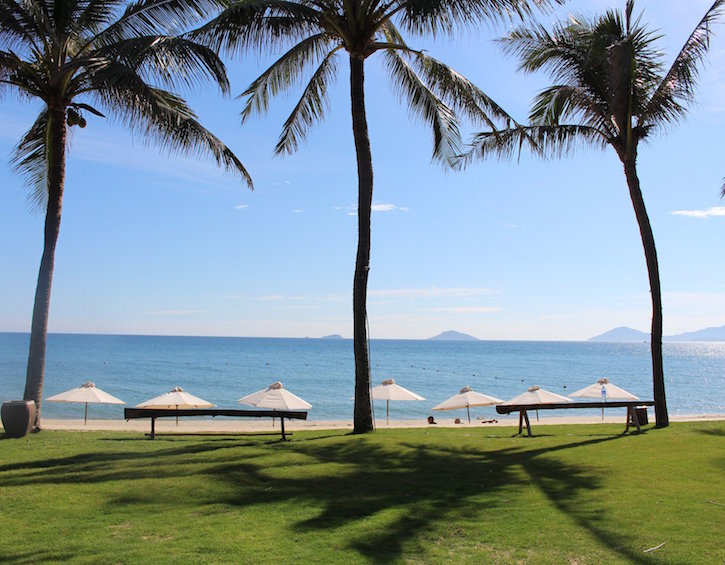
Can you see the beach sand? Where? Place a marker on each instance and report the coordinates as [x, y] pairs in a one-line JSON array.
[[238, 425]]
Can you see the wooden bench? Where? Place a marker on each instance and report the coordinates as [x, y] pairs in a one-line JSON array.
[[153, 413], [522, 409]]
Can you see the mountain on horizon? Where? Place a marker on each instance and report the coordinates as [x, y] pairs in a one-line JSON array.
[[706, 334], [621, 334], [452, 335], [624, 334]]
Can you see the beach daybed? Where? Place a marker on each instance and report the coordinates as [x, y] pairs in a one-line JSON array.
[[153, 413], [522, 409]]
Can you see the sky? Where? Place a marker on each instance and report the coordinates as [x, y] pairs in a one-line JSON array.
[[511, 250]]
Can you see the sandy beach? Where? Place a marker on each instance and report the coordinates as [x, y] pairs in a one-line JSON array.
[[231, 425]]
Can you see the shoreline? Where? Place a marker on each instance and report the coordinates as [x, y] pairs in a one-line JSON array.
[[227, 425]]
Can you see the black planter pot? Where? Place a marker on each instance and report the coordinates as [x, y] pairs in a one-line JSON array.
[[18, 417]]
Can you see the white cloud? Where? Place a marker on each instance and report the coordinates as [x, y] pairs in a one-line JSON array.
[[175, 312], [297, 211], [433, 292], [703, 214], [286, 298], [376, 207], [468, 309], [241, 206], [270, 298]]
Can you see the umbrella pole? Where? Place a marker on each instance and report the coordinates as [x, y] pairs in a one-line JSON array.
[[387, 412], [468, 411], [602, 414], [85, 418]]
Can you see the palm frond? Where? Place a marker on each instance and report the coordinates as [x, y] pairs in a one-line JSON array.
[[155, 17], [458, 92], [173, 61], [570, 104], [161, 117], [16, 25], [97, 15], [446, 16], [426, 105], [310, 108], [258, 25], [550, 141], [20, 74], [283, 73], [174, 127], [391, 33], [29, 160], [676, 90], [565, 53]]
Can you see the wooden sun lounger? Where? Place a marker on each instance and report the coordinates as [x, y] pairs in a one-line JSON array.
[[522, 409], [153, 413]]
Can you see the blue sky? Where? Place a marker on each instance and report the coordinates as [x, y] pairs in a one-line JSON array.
[[504, 250]]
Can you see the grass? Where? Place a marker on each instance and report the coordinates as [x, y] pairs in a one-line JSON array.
[[578, 495]]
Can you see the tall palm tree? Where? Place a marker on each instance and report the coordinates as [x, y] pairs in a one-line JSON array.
[[316, 32], [612, 90], [70, 53]]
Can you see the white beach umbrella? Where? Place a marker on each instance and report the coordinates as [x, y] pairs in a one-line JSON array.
[[276, 397], [87, 393], [605, 390], [176, 398], [537, 395], [388, 390], [466, 398]]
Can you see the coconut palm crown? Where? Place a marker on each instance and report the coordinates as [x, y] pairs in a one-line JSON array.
[[83, 59], [313, 34], [612, 89]]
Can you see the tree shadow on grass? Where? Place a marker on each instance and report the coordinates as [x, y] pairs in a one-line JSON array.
[[100, 466], [720, 432], [420, 487], [388, 492]]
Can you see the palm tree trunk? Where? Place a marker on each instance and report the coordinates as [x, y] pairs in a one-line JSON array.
[[363, 418], [39, 328], [650, 252]]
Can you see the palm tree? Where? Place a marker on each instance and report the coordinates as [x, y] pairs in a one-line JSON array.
[[315, 32], [612, 91], [67, 53]]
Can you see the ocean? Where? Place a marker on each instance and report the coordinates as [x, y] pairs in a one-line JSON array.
[[222, 370]]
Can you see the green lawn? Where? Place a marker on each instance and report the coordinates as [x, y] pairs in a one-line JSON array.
[[572, 495]]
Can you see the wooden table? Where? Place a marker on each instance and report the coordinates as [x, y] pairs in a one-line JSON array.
[[153, 413], [522, 409]]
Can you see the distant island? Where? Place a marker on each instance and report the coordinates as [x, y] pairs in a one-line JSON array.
[[451, 335], [625, 334], [332, 336], [621, 334]]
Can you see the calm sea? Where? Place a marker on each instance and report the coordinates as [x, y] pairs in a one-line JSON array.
[[221, 370]]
